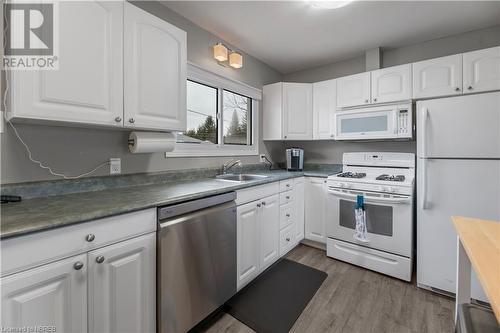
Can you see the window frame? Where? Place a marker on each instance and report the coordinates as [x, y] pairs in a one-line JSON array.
[[202, 76]]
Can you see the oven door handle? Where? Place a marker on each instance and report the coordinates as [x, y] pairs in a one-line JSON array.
[[369, 199]]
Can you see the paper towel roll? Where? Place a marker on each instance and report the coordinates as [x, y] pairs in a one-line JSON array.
[[151, 142]]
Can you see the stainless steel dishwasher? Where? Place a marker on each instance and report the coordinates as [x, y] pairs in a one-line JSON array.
[[196, 260]]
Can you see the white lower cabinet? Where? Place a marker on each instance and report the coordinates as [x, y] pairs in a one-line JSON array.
[[269, 228], [315, 209], [248, 242], [120, 278], [266, 227], [106, 282], [52, 295], [299, 190]]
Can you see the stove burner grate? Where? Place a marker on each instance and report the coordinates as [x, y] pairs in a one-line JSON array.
[[352, 174], [391, 178]]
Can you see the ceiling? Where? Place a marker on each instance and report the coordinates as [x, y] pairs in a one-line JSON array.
[[293, 35]]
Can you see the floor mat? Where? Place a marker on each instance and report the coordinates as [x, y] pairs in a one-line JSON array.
[[274, 300]]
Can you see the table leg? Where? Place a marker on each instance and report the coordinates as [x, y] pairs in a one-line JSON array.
[[463, 277]]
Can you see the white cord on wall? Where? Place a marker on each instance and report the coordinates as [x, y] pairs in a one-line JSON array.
[[28, 150]]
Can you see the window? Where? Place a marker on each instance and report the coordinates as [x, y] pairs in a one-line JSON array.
[[201, 114], [220, 117], [237, 111]]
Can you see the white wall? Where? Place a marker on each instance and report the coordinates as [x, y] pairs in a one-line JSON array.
[[75, 150]]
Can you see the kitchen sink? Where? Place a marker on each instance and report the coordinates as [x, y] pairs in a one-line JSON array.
[[240, 177]]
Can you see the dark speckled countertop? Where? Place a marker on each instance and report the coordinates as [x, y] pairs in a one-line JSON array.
[[50, 212]]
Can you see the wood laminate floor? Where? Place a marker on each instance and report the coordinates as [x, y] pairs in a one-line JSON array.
[[353, 299]]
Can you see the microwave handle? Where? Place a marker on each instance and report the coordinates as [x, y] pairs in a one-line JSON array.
[[368, 199], [423, 204]]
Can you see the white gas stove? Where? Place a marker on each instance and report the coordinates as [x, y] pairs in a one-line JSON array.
[[385, 181]]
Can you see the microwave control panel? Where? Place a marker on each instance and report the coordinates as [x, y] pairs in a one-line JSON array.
[[404, 123]]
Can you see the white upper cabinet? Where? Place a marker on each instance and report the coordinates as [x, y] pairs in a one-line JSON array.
[[324, 106], [272, 104], [121, 286], [437, 77], [391, 84], [49, 295], [297, 111], [353, 90], [155, 72], [88, 86], [481, 70]]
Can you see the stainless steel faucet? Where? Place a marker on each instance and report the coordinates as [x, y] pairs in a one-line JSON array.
[[228, 165]]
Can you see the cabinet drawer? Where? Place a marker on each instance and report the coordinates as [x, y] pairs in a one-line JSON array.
[[286, 197], [286, 215], [286, 239], [257, 192], [24, 252], [286, 185]]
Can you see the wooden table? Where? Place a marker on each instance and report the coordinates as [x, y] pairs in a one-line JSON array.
[[478, 242]]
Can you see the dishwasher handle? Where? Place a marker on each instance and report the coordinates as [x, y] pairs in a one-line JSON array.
[[168, 212]]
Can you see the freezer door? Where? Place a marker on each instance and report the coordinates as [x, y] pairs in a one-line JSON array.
[[445, 188], [459, 127]]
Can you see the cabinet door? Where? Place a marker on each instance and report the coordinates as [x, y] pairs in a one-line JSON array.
[[324, 104], [88, 86], [353, 90], [297, 111], [155, 72], [315, 210], [269, 231], [248, 235], [299, 188], [482, 70], [438, 77], [391, 84], [122, 286], [272, 106], [50, 295]]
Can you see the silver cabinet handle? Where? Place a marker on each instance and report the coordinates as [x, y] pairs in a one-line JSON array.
[[374, 99], [131, 120], [287, 215], [469, 87], [118, 119], [259, 205], [287, 185], [457, 89], [263, 203], [331, 135], [285, 136], [90, 237], [78, 265], [288, 197], [99, 259], [288, 239], [366, 101]]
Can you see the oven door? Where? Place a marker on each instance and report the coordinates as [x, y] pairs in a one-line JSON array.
[[388, 218]]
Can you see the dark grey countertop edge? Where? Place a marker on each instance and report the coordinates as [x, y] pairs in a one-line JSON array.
[[95, 215]]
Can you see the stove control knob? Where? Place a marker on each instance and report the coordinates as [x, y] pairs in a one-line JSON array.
[[348, 185], [392, 189]]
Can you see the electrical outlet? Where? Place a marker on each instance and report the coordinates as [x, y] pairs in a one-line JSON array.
[[115, 166], [262, 158]]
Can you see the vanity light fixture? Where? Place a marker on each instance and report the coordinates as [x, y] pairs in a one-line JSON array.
[[235, 60], [220, 52], [223, 54]]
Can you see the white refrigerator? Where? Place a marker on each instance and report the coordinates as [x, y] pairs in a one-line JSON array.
[[458, 173]]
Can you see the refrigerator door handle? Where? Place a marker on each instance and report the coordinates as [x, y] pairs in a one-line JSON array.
[[425, 112], [423, 203]]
